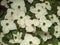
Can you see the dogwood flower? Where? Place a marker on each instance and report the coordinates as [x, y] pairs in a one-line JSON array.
[[44, 24], [21, 19], [9, 14], [16, 38], [45, 36], [38, 10], [48, 6], [57, 30], [8, 25], [30, 25], [19, 5], [30, 40], [53, 18]]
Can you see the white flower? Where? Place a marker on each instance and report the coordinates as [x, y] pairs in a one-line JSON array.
[[9, 14], [19, 5], [21, 19], [38, 9], [8, 25], [44, 24], [53, 18], [30, 25], [45, 36], [57, 30], [30, 1], [58, 12], [48, 6], [30, 40], [29, 22], [14, 14], [4, 3], [16, 38]]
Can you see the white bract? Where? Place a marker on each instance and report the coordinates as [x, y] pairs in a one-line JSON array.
[[21, 19], [16, 38], [30, 40], [30, 1], [31, 25], [58, 12], [38, 9], [44, 24], [53, 18], [9, 14], [8, 25]]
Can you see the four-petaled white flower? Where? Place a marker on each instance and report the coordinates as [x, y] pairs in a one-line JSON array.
[[19, 5], [45, 36], [57, 30], [30, 40], [31, 25], [38, 10], [16, 38], [8, 25], [44, 24]]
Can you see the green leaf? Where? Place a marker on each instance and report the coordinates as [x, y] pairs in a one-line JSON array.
[[32, 15], [5, 40], [55, 41], [51, 30]]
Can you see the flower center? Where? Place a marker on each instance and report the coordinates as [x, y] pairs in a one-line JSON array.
[[18, 7], [15, 37], [46, 3], [21, 17], [38, 10], [45, 34], [12, 13], [30, 42], [32, 25], [44, 24], [7, 24], [56, 31], [52, 17]]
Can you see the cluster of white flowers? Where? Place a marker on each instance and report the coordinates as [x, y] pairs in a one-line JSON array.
[[17, 13]]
